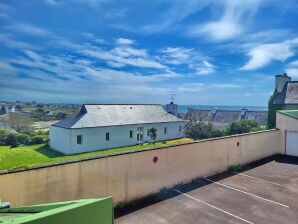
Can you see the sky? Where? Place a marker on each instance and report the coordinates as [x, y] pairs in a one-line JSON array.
[[220, 52]]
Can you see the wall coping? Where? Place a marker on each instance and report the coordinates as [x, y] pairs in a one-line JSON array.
[[22, 169]]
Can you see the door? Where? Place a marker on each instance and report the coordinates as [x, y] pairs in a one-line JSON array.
[[292, 143], [140, 134]]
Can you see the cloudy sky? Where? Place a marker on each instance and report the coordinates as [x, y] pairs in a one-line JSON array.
[[102, 51]]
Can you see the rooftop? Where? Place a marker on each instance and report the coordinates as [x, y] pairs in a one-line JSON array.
[[290, 113], [103, 115]]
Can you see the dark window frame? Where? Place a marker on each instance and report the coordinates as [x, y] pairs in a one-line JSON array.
[[79, 139], [108, 136]]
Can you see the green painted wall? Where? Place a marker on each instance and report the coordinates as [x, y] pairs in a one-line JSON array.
[[91, 211]]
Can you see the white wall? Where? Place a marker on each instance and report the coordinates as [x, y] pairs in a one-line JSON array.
[[95, 138], [60, 139]]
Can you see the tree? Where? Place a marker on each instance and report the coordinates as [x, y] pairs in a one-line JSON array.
[[242, 126], [19, 122], [197, 130], [272, 108], [12, 139], [153, 134], [3, 136]]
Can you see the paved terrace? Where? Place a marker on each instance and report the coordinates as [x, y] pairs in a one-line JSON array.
[[265, 192]]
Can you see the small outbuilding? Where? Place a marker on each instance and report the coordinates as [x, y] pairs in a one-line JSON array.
[[287, 123], [103, 126]]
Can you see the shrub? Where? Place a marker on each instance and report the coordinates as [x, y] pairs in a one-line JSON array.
[[3, 136], [242, 126], [12, 139], [23, 138], [37, 139]]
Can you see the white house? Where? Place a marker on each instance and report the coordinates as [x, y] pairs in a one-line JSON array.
[[103, 126]]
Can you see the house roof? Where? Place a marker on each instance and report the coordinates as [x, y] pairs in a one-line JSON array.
[[226, 116], [290, 113], [258, 116], [289, 94], [198, 115], [102, 115]]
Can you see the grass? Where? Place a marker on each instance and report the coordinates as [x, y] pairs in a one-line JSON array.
[[32, 155]]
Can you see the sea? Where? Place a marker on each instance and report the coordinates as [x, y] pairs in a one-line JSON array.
[[183, 108]]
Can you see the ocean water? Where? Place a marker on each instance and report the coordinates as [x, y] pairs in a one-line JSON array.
[[183, 108]]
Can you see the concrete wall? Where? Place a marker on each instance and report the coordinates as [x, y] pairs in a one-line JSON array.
[[65, 140], [131, 175], [285, 123]]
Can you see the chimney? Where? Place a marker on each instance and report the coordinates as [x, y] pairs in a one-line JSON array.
[[172, 108], [280, 81]]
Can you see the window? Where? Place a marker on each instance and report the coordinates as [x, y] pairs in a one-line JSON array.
[[108, 136], [180, 128], [130, 133], [79, 139], [148, 132], [165, 130]]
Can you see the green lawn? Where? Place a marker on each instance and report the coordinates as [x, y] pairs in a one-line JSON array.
[[26, 156]]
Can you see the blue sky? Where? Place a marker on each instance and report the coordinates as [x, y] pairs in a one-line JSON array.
[[100, 51]]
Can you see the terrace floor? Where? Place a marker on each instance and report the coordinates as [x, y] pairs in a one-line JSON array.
[[264, 193]]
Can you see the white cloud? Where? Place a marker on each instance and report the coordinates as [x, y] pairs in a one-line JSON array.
[[177, 55], [53, 2], [174, 13], [294, 63], [125, 56], [7, 41], [264, 54], [225, 86], [231, 23], [205, 68], [29, 29], [124, 41], [195, 87], [292, 72]]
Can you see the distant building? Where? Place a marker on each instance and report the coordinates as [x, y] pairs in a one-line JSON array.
[[221, 118], [7, 109], [286, 92], [103, 126]]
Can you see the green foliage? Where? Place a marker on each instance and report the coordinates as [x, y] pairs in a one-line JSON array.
[[19, 107], [37, 139], [12, 139], [199, 130], [234, 168], [214, 133], [3, 136], [153, 134], [272, 108], [23, 138], [242, 126]]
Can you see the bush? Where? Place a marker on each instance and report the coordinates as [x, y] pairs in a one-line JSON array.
[[3, 136], [12, 139], [242, 126], [23, 138], [38, 139], [215, 133]]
